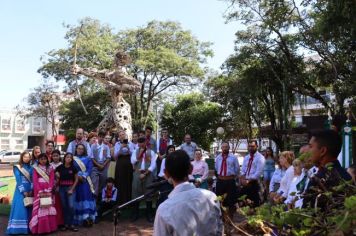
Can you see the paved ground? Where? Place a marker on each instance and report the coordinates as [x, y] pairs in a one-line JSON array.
[[5, 170], [104, 228]]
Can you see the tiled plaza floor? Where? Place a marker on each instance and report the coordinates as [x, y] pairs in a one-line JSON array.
[[104, 228]]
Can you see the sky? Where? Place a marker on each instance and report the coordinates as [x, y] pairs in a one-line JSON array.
[[32, 28]]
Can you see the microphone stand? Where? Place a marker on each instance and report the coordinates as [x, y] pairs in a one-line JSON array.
[[117, 211]]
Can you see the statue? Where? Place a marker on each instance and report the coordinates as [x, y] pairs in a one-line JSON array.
[[117, 82]]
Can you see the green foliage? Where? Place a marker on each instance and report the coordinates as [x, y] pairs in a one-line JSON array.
[[164, 57], [284, 32], [307, 221], [73, 116], [194, 115], [96, 48]]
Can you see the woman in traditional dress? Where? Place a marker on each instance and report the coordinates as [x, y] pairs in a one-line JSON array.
[[20, 214], [56, 161], [44, 215], [200, 171], [85, 207], [123, 172], [36, 152]]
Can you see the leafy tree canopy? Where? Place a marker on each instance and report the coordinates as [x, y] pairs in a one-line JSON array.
[[164, 56], [192, 114]]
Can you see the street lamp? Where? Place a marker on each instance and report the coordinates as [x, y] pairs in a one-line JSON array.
[[220, 131]]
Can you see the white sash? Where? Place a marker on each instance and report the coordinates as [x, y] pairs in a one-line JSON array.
[[24, 172], [84, 169], [42, 173]]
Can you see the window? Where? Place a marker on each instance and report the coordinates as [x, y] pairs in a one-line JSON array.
[[36, 125], [20, 126], [19, 144], [6, 125], [5, 144]]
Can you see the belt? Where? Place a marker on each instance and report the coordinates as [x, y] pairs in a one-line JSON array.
[[226, 177]]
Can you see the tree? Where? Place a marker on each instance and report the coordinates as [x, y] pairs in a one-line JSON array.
[[72, 115], [164, 56], [192, 114], [252, 94], [299, 29], [44, 102]]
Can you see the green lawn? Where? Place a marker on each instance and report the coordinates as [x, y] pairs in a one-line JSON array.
[[7, 190], [10, 188]]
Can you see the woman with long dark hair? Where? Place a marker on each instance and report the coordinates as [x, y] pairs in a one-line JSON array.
[[20, 213], [44, 214], [269, 169], [85, 207]]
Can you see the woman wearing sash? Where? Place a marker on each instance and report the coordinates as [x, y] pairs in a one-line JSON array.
[[85, 207], [20, 214], [44, 214], [123, 172]]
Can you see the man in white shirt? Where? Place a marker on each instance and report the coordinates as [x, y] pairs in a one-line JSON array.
[[133, 144], [227, 170], [100, 154], [78, 140], [162, 145], [143, 161], [188, 210], [251, 171], [188, 146]]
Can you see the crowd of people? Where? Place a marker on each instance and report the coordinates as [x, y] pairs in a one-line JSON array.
[[99, 171]]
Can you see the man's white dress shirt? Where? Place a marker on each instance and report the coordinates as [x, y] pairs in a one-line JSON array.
[[188, 211]]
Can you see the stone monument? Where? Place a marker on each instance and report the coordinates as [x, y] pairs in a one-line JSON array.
[[117, 82]]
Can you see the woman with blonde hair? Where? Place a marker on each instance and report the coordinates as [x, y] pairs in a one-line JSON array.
[[293, 193], [36, 151], [286, 159]]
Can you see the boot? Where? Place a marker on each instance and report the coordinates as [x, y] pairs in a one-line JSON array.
[[149, 215], [135, 212]]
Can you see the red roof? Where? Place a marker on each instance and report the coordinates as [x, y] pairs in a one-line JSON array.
[[61, 139]]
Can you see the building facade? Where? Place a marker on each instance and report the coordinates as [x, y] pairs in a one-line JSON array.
[[20, 133]]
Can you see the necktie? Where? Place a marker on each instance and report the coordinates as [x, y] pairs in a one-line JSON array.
[[223, 167], [163, 146], [142, 154], [249, 164], [148, 141]]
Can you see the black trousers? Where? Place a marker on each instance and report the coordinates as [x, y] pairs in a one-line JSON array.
[[229, 187], [252, 191], [104, 206], [164, 190]]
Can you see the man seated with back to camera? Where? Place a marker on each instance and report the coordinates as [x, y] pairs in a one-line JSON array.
[[188, 210]]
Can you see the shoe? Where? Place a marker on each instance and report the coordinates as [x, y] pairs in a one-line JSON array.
[[63, 228], [73, 229]]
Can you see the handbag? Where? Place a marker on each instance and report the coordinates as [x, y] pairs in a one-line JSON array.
[[45, 201], [28, 201]]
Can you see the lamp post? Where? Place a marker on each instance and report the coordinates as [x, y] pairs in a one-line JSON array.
[[220, 131]]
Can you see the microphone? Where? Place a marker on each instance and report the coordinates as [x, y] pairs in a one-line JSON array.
[[157, 184]]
